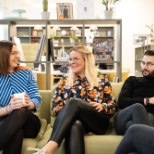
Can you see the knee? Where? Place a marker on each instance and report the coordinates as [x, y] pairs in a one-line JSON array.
[[138, 107], [78, 124], [74, 102], [77, 127], [20, 113], [133, 129]]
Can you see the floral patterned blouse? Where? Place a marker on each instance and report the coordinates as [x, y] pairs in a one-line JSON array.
[[81, 89]]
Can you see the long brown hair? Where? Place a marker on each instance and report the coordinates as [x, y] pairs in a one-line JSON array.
[[5, 51]]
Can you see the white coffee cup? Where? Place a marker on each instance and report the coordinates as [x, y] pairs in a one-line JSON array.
[[20, 95]]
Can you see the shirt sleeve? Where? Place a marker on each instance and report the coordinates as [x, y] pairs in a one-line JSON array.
[[126, 95], [108, 103], [58, 100], [33, 91]]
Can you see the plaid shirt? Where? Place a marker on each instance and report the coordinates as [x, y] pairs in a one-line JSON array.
[[81, 89]]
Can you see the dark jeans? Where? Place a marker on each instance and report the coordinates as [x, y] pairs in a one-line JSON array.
[[76, 118], [138, 138], [19, 124], [151, 118], [134, 114]]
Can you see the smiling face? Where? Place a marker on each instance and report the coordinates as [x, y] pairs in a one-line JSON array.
[[14, 58], [77, 63]]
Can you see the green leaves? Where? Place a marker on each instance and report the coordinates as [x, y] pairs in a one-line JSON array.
[[75, 38], [54, 37], [45, 5], [109, 4], [105, 2], [151, 28]]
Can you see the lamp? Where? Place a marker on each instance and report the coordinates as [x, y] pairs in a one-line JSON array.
[[93, 27], [38, 27], [55, 29], [73, 29]]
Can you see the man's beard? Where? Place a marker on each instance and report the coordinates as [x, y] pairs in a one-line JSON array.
[[151, 74]]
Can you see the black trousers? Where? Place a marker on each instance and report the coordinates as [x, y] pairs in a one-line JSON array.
[[134, 114], [139, 139], [19, 124], [75, 119]]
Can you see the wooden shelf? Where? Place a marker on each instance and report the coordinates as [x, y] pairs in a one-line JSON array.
[[107, 28]]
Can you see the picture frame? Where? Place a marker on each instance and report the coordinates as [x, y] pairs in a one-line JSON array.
[[64, 11], [103, 48], [139, 39]]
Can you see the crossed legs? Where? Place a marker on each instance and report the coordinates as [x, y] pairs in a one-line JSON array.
[[77, 117], [74, 141], [134, 114]]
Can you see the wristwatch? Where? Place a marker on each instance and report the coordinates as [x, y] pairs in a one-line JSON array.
[[147, 100]]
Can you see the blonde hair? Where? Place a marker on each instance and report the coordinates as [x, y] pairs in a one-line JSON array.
[[90, 71]]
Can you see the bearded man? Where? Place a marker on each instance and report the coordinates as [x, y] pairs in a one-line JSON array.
[[136, 99]]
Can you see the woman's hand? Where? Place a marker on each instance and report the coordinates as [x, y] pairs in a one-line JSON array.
[[97, 106], [30, 105], [18, 102]]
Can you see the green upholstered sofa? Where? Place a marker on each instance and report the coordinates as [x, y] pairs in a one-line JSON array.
[[94, 144]]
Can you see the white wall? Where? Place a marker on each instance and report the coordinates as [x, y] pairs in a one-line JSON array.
[[135, 14]]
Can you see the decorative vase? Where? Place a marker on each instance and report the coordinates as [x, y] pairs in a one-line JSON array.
[[45, 15], [108, 14], [55, 42], [152, 41], [72, 41]]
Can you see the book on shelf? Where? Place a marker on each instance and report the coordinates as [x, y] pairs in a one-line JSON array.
[[103, 48], [40, 51], [51, 56]]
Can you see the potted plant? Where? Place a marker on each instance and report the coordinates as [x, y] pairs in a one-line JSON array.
[[73, 39], [45, 14], [109, 5], [151, 34], [55, 39]]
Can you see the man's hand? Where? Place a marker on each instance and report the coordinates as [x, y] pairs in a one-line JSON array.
[[151, 100]]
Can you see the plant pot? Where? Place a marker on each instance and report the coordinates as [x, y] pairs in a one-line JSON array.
[[56, 43], [45, 15], [72, 41], [108, 14], [152, 41]]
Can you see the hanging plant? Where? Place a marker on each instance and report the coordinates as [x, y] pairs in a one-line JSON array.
[[151, 28]]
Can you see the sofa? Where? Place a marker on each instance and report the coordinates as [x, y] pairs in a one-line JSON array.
[[94, 144]]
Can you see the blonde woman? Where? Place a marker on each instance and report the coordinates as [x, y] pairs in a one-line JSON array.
[[83, 102]]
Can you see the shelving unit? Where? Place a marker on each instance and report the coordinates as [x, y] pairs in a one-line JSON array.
[[27, 34], [107, 29], [139, 52]]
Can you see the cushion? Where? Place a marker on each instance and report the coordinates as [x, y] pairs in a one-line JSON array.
[[116, 87]]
